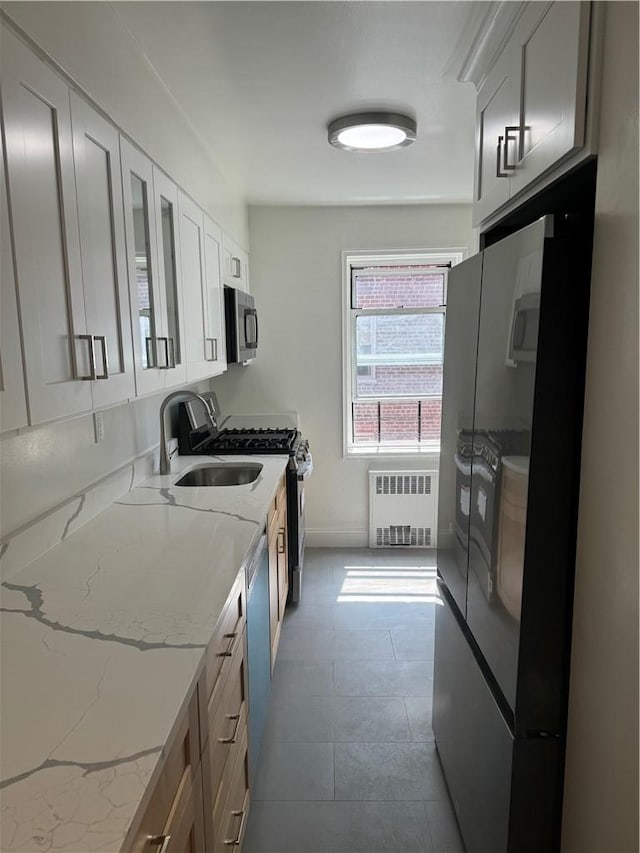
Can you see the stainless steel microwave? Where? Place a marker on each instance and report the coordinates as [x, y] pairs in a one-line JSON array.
[[241, 323]]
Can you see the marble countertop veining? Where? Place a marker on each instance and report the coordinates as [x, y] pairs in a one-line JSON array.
[[102, 638]]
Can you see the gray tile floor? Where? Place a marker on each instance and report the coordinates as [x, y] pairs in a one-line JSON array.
[[348, 763]]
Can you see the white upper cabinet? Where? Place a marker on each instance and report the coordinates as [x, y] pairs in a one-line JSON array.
[[102, 245], [13, 404], [553, 44], [235, 265], [172, 341], [214, 299], [192, 254], [531, 112], [151, 356], [41, 182], [497, 128]]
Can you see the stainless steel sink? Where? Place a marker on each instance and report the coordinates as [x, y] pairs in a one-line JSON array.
[[221, 474]]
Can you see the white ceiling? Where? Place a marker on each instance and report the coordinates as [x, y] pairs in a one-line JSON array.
[[259, 82]]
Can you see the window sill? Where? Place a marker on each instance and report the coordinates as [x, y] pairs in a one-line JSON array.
[[430, 452]]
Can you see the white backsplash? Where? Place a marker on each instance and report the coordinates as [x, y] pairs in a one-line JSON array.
[[54, 478]]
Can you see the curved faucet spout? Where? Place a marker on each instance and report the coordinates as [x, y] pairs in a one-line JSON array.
[[164, 456]]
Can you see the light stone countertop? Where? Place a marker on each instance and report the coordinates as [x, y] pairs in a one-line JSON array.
[[102, 639]]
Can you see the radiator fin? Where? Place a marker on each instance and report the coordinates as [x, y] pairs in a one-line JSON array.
[[402, 509], [403, 484], [403, 534]]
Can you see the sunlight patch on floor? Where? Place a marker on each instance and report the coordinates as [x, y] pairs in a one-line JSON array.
[[389, 586]]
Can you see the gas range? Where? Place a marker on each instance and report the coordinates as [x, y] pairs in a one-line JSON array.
[[262, 441]]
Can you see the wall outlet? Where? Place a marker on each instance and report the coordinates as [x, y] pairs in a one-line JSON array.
[[98, 427]]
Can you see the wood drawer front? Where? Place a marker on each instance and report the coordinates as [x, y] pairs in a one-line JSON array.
[[279, 503], [226, 642], [226, 722], [231, 811], [173, 785]]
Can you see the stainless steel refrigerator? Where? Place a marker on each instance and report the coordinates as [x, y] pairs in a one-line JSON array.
[[513, 389]]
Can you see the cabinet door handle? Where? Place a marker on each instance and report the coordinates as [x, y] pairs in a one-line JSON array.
[[105, 356], [172, 353], [235, 268], [229, 650], [232, 738], [92, 356], [165, 343], [152, 352], [235, 842], [161, 841], [509, 137], [281, 532], [499, 172], [214, 349]]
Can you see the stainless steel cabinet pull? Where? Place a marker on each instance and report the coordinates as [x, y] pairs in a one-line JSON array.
[[105, 356], [281, 532], [92, 356], [235, 842], [152, 352], [499, 172], [161, 841], [165, 343], [233, 737], [229, 650], [235, 268], [509, 137], [172, 353], [214, 349]]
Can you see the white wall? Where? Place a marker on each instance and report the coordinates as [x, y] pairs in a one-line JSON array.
[[601, 787], [92, 45], [296, 277]]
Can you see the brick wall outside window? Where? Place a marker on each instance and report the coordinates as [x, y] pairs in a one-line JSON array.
[[409, 336]]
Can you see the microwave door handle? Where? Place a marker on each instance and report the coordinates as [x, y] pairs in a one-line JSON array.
[[251, 344]]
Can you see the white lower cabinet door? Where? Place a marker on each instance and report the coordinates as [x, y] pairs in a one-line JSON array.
[[214, 299], [102, 244], [40, 173], [191, 231], [13, 404]]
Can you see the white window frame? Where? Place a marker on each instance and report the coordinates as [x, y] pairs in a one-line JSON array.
[[357, 259]]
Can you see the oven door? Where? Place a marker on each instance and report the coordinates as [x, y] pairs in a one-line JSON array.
[[295, 529]]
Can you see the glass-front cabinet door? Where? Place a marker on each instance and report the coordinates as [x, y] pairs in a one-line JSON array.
[[171, 341], [216, 352], [142, 254]]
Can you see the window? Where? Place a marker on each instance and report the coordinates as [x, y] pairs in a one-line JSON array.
[[394, 318]]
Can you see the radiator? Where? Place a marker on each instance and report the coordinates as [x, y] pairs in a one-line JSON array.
[[402, 509]]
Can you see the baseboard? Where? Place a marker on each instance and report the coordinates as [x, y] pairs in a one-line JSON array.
[[323, 538]]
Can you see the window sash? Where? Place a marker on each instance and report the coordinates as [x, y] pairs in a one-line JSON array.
[[389, 359], [403, 262]]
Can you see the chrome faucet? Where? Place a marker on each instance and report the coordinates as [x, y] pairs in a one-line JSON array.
[[164, 456]]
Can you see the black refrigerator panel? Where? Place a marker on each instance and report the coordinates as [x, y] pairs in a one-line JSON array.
[[458, 391], [473, 740], [524, 488], [506, 791], [511, 279]]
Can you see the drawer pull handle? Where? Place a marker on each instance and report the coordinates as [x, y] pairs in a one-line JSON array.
[[161, 841], [235, 842], [229, 650], [281, 533], [233, 737]]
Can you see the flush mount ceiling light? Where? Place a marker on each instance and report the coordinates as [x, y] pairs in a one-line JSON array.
[[372, 131]]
